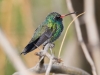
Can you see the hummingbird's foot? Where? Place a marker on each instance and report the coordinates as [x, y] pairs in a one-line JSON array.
[[52, 45]]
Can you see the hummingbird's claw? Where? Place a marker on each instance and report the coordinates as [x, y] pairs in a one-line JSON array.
[[52, 45]]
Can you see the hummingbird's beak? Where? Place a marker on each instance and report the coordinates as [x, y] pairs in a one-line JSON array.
[[62, 16]]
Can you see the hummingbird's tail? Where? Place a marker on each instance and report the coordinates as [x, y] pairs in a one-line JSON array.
[[30, 47]]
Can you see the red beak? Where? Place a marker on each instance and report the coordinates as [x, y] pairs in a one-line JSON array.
[[62, 16]]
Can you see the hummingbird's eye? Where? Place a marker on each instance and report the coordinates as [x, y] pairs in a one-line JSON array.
[[57, 17]]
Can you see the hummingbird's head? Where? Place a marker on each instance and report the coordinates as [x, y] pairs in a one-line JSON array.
[[54, 16]]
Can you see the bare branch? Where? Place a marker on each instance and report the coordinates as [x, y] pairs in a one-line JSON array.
[[58, 69], [79, 35], [53, 68], [13, 56], [93, 37]]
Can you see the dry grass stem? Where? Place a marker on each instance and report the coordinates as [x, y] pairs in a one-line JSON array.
[[67, 32]]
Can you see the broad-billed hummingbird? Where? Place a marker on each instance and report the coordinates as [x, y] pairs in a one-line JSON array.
[[47, 32]]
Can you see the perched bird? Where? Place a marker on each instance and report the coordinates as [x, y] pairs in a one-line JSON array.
[[47, 32]]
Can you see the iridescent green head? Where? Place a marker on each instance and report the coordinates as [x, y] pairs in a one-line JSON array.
[[54, 16]]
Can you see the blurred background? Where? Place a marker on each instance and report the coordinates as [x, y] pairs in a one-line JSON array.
[[19, 19]]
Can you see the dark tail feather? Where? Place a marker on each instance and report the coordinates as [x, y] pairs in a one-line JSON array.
[[31, 46]]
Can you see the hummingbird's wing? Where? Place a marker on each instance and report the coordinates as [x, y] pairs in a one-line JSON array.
[[42, 33]]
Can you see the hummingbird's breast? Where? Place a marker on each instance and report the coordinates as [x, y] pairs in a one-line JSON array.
[[58, 31]]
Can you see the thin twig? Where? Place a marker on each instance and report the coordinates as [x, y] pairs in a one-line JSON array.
[[79, 35], [39, 61], [49, 66], [42, 54]]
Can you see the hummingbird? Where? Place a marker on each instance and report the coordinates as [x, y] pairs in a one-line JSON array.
[[47, 32]]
